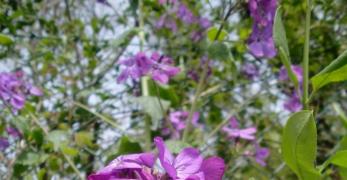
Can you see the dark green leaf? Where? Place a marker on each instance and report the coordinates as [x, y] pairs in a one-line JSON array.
[[219, 51], [299, 145], [334, 72]]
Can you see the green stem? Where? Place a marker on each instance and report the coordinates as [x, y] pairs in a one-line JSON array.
[[144, 80], [203, 78], [306, 55]]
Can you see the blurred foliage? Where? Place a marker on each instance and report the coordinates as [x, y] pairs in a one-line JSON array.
[[71, 49]]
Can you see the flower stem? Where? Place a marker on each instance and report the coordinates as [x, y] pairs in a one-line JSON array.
[[203, 78], [306, 55], [144, 80]]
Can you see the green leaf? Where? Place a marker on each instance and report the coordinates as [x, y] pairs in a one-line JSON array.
[[343, 143], [280, 37], [339, 159], [31, 158], [299, 145], [281, 42], [219, 51], [152, 107], [84, 138], [125, 37], [212, 33], [334, 72], [69, 150], [5, 40], [176, 146], [343, 173], [58, 138]]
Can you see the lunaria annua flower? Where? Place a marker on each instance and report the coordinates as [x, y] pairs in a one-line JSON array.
[[14, 90], [166, 21], [178, 119], [4, 143], [260, 154], [293, 103], [13, 132], [250, 70], [233, 131], [187, 165], [260, 42], [158, 67], [297, 70]]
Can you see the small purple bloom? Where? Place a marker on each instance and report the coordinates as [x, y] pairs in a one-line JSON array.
[[13, 132], [250, 70], [261, 154], [165, 21], [293, 103], [14, 90], [134, 166], [104, 2], [283, 74], [260, 42], [233, 131], [162, 69], [185, 14], [204, 23], [213, 168], [4, 143]]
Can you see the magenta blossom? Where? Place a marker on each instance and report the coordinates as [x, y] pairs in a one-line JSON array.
[[135, 166], [158, 67], [14, 90], [4, 143], [233, 131], [13, 132], [185, 14], [189, 164], [297, 70], [250, 70], [293, 103], [178, 120], [261, 154], [260, 42]]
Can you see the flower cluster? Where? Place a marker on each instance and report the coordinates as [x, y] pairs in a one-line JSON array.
[[293, 103], [12, 132], [234, 132], [260, 42], [14, 90], [158, 67], [187, 165], [250, 70], [178, 120], [184, 14]]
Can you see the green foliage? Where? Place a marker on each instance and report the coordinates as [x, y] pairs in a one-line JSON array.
[[219, 51], [299, 145], [5, 40], [176, 146], [212, 34], [335, 72]]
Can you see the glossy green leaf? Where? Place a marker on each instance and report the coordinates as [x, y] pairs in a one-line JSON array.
[[279, 32], [212, 33], [151, 105], [219, 51], [299, 145], [334, 72], [5, 40], [281, 42]]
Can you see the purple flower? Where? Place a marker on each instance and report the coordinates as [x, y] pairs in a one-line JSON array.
[[233, 131], [4, 143], [260, 42], [13, 89], [250, 70], [158, 67], [283, 74], [204, 23], [166, 22], [162, 69], [13, 132], [194, 73], [293, 103], [189, 164], [104, 2], [185, 14], [134, 166], [261, 154], [178, 120]]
